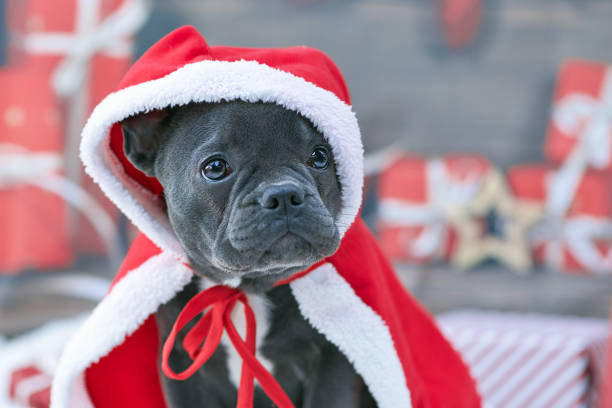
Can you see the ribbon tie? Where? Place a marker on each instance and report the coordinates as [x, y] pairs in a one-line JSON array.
[[203, 339]]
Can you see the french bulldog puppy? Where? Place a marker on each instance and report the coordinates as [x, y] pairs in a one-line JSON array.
[[252, 194]]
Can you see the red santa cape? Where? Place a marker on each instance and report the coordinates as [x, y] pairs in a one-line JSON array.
[[353, 298]]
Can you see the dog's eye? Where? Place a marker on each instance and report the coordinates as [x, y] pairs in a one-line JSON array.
[[319, 158], [215, 169]]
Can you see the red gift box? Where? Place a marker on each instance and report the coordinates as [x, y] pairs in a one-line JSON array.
[[34, 229], [414, 193], [86, 55], [582, 110], [85, 47], [581, 239]]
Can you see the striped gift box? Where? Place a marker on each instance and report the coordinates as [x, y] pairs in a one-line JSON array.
[[27, 363], [530, 360]]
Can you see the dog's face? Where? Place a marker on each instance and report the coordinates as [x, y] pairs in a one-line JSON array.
[[251, 189]]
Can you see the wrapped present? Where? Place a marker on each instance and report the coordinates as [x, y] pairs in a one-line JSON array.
[[28, 362], [85, 47], [34, 223], [34, 193], [415, 195], [530, 360], [582, 114], [579, 236]]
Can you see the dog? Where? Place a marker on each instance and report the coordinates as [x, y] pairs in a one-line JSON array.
[[243, 170], [252, 194]]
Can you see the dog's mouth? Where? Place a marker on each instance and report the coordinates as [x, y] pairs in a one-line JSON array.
[[288, 250], [288, 246]]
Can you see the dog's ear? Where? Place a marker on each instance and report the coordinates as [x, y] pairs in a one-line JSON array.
[[142, 138]]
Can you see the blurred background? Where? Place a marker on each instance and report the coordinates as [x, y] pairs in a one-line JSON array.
[[487, 127]]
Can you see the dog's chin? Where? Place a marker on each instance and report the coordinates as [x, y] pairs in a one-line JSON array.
[[281, 259], [287, 251]]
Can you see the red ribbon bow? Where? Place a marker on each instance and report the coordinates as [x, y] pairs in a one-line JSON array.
[[204, 338]]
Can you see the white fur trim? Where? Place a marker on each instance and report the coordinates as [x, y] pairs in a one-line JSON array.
[[123, 310], [332, 307], [214, 81], [79, 396]]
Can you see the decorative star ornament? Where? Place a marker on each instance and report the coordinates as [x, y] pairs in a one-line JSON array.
[[476, 243]]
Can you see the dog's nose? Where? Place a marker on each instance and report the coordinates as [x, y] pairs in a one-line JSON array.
[[286, 197]]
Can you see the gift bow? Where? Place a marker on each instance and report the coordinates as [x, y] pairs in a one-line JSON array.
[[444, 193], [110, 37]]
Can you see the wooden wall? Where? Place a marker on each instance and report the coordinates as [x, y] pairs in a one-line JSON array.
[[493, 99]]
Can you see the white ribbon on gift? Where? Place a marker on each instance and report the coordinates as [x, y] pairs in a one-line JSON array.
[[110, 37], [19, 167], [589, 119], [578, 235], [443, 193]]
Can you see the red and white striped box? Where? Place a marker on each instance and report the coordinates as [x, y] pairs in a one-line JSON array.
[[28, 362], [31, 387], [414, 194], [530, 360], [582, 110], [605, 394], [581, 240]]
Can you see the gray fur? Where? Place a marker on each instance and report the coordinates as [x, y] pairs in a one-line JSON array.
[[271, 217]]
